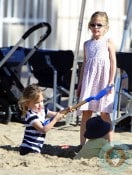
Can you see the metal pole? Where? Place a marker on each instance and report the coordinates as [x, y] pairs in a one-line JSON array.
[[48, 61], [127, 24], [10, 52], [54, 89], [72, 85]]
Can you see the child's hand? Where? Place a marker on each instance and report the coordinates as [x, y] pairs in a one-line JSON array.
[[67, 110], [59, 116], [111, 91]]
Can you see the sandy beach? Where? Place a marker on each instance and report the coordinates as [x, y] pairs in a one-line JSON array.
[[57, 159]]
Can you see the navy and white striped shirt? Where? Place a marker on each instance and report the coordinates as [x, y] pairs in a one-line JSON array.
[[33, 138]]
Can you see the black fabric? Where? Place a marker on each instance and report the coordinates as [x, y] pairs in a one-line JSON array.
[[7, 79], [60, 60], [124, 61], [24, 150], [96, 128]]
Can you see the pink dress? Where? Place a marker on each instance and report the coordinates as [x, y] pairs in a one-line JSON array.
[[96, 76]]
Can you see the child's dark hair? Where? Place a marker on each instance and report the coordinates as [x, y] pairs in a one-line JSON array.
[[31, 92]]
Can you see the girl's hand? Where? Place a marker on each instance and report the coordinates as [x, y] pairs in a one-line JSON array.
[[67, 110], [111, 84], [59, 116]]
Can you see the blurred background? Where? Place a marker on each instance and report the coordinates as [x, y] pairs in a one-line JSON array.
[[63, 15]]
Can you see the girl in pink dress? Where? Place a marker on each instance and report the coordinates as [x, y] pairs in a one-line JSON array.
[[98, 71]]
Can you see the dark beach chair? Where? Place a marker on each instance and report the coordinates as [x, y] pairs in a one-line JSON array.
[[124, 64]]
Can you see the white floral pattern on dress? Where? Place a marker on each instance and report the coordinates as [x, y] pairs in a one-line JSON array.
[[96, 76]]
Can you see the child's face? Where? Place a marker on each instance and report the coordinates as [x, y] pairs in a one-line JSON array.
[[98, 27], [38, 105]]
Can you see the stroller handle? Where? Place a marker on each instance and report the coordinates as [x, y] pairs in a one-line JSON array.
[[25, 35], [36, 27]]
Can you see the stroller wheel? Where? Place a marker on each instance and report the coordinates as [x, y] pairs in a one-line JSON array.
[[5, 116]]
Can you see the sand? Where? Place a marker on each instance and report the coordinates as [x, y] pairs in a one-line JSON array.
[[57, 158]]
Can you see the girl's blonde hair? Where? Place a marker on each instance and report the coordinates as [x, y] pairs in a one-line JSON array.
[[99, 13], [30, 93]]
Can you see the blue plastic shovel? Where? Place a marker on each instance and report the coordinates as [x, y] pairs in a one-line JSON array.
[[102, 93]]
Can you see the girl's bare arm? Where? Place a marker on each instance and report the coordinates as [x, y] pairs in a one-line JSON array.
[[112, 55]]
